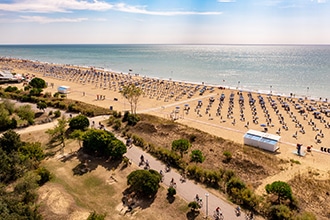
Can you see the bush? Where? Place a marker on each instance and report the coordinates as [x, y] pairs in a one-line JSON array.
[[73, 108], [95, 216], [194, 205], [192, 138], [228, 156], [117, 124], [125, 118], [116, 114], [197, 156], [171, 191], [11, 89], [56, 95], [279, 212], [57, 113], [132, 119], [50, 113], [44, 174]]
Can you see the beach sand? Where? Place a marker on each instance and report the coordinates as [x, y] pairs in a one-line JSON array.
[[168, 99]]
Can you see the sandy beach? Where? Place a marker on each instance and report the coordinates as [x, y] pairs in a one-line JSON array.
[[296, 120]]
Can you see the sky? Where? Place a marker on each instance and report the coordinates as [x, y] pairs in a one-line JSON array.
[[165, 21]]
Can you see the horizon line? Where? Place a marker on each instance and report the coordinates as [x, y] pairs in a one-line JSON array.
[[215, 44]]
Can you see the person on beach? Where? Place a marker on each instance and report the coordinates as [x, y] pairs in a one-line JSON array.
[[298, 148]]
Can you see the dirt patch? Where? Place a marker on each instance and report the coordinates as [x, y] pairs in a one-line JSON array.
[[56, 203]]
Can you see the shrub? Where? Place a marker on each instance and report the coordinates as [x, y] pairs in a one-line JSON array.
[[73, 108], [228, 156], [95, 216], [192, 138], [56, 95], [197, 156], [44, 174], [171, 191], [50, 113], [116, 114], [194, 205], [132, 119], [11, 89], [279, 212], [117, 124], [57, 113], [125, 118]]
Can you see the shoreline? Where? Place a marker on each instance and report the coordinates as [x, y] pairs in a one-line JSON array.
[[227, 123], [228, 87]]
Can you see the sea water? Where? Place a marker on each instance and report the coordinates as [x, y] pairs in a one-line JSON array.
[[303, 70]]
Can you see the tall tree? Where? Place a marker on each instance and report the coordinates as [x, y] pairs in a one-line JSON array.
[[132, 93], [58, 132]]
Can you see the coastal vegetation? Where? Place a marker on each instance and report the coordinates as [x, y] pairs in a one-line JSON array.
[[20, 176], [232, 169]]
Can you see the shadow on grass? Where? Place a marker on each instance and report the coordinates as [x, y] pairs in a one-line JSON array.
[[170, 199], [192, 214], [89, 163], [132, 200]]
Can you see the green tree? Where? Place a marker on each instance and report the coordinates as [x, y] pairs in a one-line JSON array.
[[31, 151], [10, 141], [25, 112], [10, 106], [281, 189], [132, 94], [100, 142], [57, 134], [95, 142], [181, 145], [80, 122], [197, 156], [144, 182], [38, 83], [78, 135], [27, 185], [5, 121], [117, 148], [42, 105]]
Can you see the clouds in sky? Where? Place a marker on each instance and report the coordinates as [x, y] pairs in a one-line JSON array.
[[166, 21], [49, 6]]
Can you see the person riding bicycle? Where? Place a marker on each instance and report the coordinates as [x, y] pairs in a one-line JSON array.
[[238, 210]]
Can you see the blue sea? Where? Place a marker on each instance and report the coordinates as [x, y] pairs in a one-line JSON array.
[[303, 70]]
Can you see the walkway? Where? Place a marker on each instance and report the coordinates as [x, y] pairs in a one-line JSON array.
[[187, 190]]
